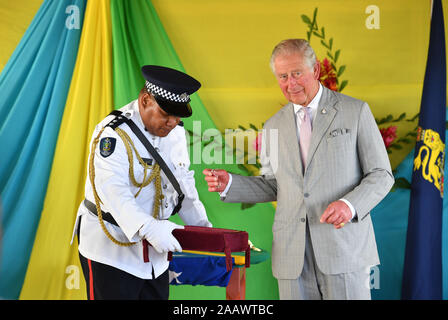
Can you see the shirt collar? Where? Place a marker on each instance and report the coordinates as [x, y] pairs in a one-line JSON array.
[[313, 104]]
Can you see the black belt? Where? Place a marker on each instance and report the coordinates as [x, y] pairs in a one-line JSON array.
[[106, 215]]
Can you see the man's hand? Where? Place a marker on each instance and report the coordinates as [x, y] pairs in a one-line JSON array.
[[337, 213], [159, 235], [217, 179]]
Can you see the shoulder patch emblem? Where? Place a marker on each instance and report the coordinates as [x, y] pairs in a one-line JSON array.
[[107, 146]]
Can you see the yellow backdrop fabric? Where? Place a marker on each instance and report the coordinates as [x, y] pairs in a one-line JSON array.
[[227, 45], [53, 262], [16, 17]]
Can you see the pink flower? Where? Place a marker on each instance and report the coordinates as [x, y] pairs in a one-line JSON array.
[[256, 144], [389, 135]]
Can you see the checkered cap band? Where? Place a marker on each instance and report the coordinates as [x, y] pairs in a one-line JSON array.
[[182, 98]]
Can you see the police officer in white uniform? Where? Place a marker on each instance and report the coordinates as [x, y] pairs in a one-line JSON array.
[[123, 232]]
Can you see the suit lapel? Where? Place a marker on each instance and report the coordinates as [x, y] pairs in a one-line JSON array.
[[292, 141], [324, 116]]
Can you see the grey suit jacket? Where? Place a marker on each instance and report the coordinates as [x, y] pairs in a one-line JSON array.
[[347, 159]]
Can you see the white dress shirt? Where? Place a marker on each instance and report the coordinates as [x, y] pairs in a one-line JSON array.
[[117, 194]]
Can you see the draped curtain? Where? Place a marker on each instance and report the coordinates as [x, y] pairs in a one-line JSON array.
[[80, 59]]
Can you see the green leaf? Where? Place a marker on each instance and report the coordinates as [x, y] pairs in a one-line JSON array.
[[253, 127], [317, 35], [243, 168], [324, 44], [404, 140], [245, 206], [331, 43], [401, 117], [387, 119], [322, 31], [242, 128], [333, 66], [306, 19], [336, 55], [330, 55], [314, 15], [401, 183], [341, 70], [343, 85], [413, 118], [396, 146]]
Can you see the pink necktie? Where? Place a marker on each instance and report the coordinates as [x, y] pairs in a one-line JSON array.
[[304, 134]]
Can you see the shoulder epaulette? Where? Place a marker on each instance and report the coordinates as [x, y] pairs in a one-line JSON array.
[[117, 121]]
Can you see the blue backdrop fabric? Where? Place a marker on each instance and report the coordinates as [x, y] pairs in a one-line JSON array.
[[34, 86]]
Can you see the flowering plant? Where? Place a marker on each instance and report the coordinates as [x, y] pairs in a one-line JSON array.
[[330, 73], [389, 134]]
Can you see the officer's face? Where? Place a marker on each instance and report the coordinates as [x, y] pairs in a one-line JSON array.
[[156, 121]]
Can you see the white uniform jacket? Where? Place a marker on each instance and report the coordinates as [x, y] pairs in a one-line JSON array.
[[117, 193]]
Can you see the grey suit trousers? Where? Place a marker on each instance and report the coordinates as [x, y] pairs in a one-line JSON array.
[[312, 284]]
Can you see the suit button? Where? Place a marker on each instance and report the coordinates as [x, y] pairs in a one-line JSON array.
[[306, 195], [302, 220]]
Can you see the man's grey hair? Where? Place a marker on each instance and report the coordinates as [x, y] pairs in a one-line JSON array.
[[290, 46]]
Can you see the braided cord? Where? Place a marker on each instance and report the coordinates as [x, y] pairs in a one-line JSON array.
[[154, 176]]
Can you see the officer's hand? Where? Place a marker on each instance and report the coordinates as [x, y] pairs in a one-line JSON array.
[[337, 213], [159, 235], [217, 179]]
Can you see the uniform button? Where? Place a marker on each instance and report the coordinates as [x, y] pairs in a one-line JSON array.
[[306, 195], [302, 220], [166, 205], [164, 186], [157, 149]]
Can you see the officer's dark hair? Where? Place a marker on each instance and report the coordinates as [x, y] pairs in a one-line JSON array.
[[144, 90]]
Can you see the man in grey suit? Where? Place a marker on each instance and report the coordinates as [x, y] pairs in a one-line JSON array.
[[325, 163]]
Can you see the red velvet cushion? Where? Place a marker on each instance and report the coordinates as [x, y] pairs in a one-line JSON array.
[[214, 240]]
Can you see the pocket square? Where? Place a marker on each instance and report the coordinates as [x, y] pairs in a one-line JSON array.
[[338, 132]]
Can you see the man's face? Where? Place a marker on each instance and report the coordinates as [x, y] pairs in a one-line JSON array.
[[298, 82], [156, 121]]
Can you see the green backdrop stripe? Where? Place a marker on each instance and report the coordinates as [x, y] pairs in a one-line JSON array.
[[139, 39]]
